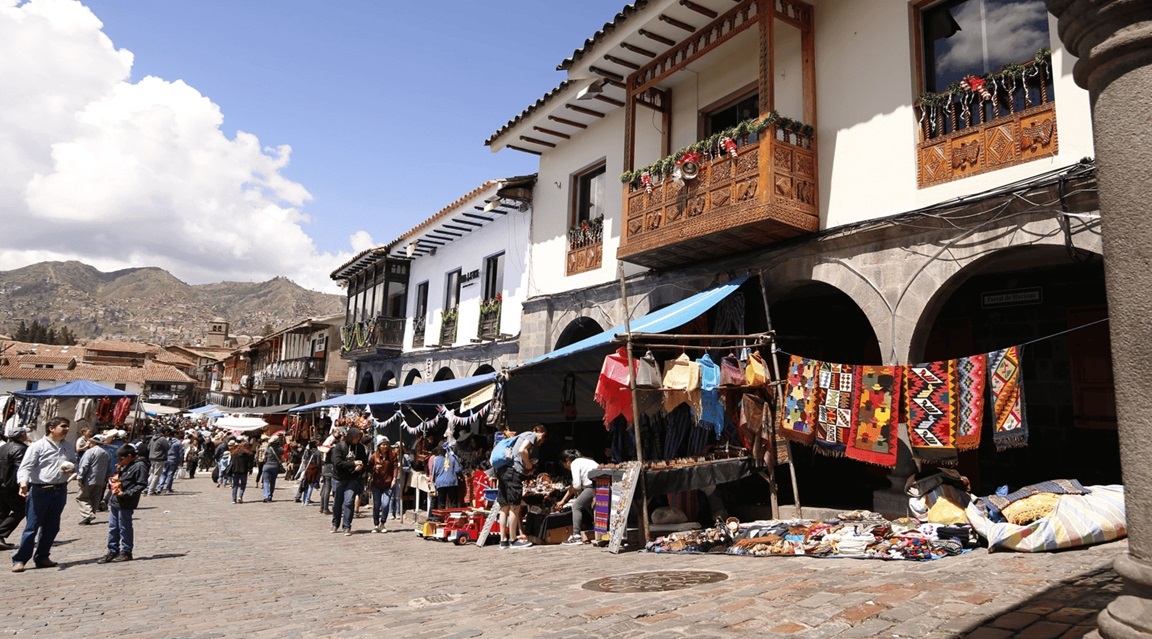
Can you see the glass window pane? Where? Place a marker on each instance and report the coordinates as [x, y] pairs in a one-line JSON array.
[[977, 37]]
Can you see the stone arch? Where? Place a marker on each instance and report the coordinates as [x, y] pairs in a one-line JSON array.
[[816, 319], [1043, 298], [576, 330], [444, 373], [366, 384], [413, 377], [483, 369], [311, 398], [387, 380]]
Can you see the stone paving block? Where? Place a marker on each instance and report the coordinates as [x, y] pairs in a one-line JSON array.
[[869, 628], [988, 632], [860, 612], [815, 601], [789, 628], [1071, 615], [915, 627], [1014, 620]]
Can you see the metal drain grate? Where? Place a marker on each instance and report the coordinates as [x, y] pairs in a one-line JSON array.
[[655, 581]]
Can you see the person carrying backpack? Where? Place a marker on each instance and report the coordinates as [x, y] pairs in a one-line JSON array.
[[512, 459]]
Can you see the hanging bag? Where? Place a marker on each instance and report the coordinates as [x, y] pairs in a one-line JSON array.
[[756, 371], [647, 373], [731, 371]]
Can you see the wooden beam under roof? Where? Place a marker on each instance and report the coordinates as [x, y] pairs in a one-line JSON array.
[[448, 235], [459, 221], [635, 49], [676, 23], [572, 123], [657, 37], [704, 11], [481, 208], [532, 140], [479, 217], [427, 241], [551, 132], [580, 109], [522, 149], [606, 74], [460, 228], [603, 98], [628, 64]]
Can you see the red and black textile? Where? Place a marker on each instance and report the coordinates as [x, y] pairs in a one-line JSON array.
[[931, 404]]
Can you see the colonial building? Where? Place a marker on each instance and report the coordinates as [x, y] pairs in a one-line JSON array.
[[444, 299], [914, 180]]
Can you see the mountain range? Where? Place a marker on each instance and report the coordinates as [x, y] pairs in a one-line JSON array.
[[150, 304]]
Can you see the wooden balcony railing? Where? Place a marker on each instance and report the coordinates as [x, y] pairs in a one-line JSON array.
[[295, 369], [988, 123], [765, 193], [448, 328], [379, 333], [489, 322], [585, 247], [418, 325]]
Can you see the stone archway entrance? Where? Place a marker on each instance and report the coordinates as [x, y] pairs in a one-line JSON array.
[[443, 374], [1017, 296], [819, 321], [366, 385], [576, 330]]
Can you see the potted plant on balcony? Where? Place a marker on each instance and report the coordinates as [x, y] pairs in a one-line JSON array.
[[582, 234], [448, 325], [490, 316]]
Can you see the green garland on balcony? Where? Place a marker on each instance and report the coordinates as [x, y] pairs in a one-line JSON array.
[[708, 147], [1013, 71]]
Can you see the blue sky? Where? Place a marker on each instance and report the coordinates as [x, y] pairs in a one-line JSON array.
[[242, 140], [386, 105]]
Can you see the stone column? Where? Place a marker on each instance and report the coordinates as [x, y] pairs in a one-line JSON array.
[[1113, 41]]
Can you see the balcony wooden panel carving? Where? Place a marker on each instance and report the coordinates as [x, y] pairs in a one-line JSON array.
[[726, 209], [584, 258], [1006, 141], [489, 327], [380, 335], [448, 331]]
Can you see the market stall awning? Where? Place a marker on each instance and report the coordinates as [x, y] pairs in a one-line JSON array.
[[208, 408], [240, 423], [265, 410], [448, 390], [533, 390], [78, 388], [158, 409]]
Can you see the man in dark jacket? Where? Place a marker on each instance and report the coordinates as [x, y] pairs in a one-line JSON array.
[[349, 459], [157, 457], [12, 505], [127, 484]]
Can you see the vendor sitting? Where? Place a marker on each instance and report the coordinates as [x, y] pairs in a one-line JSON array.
[[581, 489]]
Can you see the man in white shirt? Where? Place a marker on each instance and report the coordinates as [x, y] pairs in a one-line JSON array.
[[580, 492], [43, 476]]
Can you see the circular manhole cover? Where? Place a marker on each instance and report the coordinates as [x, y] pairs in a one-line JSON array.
[[655, 581]]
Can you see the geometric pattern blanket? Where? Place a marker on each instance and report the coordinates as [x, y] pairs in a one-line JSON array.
[[875, 412], [970, 382], [832, 400], [796, 422], [1005, 380], [930, 398], [1055, 486]]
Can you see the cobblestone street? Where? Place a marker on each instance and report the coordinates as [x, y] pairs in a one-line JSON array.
[[207, 568]]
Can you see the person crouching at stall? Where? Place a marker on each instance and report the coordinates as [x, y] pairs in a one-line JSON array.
[[127, 484], [580, 493]]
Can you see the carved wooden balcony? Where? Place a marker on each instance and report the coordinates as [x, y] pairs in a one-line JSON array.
[[448, 329], [489, 323], [418, 325], [1013, 120], [585, 249], [767, 193], [380, 335]]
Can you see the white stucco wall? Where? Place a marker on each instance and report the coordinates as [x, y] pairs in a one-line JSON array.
[[507, 233]]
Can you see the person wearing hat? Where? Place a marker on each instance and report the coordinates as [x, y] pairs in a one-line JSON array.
[[92, 474], [12, 504], [44, 472], [127, 484], [349, 460]]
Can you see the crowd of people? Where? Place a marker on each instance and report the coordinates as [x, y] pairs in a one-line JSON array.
[[350, 470]]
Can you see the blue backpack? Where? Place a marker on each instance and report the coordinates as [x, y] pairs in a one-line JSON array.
[[503, 452]]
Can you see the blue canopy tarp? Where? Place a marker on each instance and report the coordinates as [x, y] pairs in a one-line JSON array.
[[208, 408], [78, 388], [533, 388], [433, 392]]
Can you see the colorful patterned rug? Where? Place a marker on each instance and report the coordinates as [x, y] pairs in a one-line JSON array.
[[875, 410], [970, 382], [796, 421], [931, 404], [833, 401], [1007, 399]]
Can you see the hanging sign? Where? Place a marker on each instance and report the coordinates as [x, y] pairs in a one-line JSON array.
[[1012, 297]]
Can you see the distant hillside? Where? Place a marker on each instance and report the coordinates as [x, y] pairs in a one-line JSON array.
[[150, 304]]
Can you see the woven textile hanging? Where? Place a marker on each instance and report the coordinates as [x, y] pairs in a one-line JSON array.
[[796, 422], [1007, 399], [931, 402], [832, 399], [612, 391], [970, 383], [875, 410]]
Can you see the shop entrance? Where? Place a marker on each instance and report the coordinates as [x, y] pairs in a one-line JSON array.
[[1017, 297]]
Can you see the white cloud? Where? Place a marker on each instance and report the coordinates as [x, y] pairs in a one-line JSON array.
[[1016, 29], [116, 174]]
